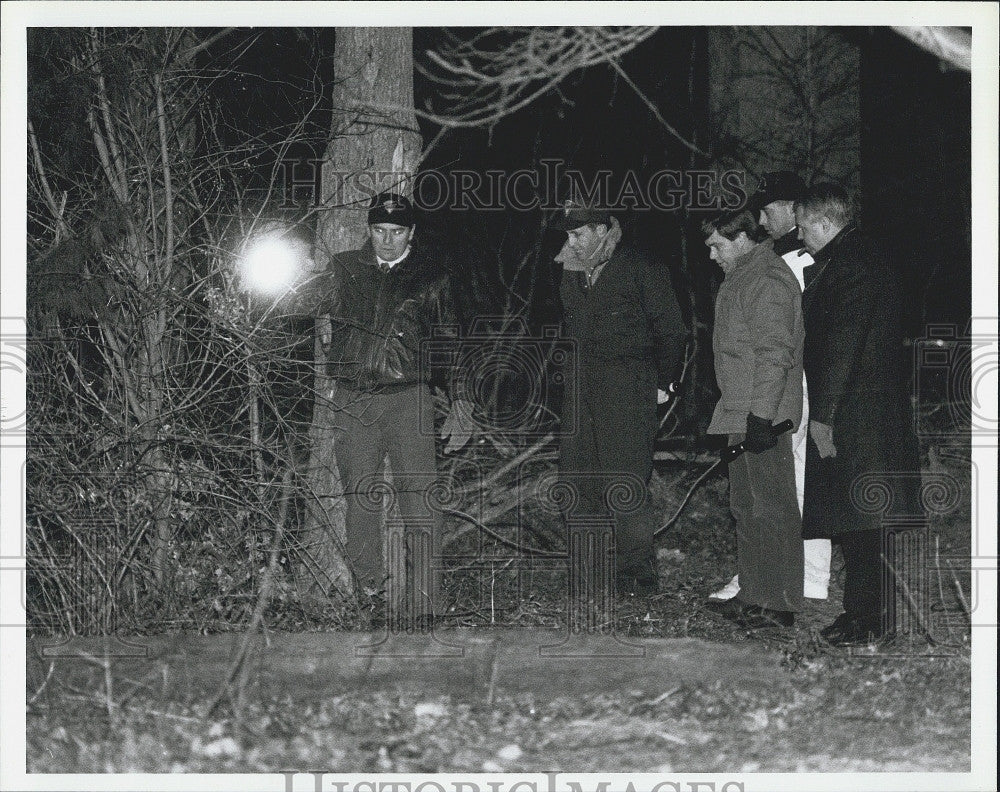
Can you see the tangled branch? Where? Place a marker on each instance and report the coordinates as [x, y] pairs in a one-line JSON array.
[[502, 70]]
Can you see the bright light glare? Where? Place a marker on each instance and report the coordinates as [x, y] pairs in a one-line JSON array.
[[271, 265]]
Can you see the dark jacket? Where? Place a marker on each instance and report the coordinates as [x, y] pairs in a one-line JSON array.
[[789, 243], [859, 384], [379, 320], [789, 247], [757, 343], [628, 321]]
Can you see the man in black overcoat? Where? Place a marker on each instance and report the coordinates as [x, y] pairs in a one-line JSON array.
[[862, 467], [619, 308]]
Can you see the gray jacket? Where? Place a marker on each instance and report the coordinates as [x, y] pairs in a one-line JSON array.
[[757, 341]]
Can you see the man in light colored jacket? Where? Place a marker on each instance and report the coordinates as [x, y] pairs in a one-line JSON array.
[[774, 203], [757, 342]]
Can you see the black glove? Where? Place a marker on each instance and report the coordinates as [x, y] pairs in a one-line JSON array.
[[759, 435]]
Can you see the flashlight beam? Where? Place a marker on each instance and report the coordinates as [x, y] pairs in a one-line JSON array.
[[271, 265]]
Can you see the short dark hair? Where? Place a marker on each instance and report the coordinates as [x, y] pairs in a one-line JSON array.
[[827, 200], [730, 223]]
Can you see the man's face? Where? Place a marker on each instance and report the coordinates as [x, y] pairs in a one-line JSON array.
[[777, 218], [583, 241], [726, 251], [390, 240], [814, 231]]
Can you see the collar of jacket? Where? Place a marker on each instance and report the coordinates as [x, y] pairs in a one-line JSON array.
[[751, 257], [597, 259], [368, 251], [391, 264], [824, 254], [788, 242]]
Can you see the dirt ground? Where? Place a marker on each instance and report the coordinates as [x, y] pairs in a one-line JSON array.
[[491, 700], [499, 687]]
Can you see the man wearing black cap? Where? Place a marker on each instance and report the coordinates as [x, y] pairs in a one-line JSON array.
[[384, 299], [773, 203], [620, 310]]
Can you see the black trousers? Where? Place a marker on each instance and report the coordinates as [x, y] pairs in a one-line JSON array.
[[869, 584], [606, 459], [368, 427]]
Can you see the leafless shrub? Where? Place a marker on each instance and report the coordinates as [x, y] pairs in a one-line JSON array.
[[163, 403]]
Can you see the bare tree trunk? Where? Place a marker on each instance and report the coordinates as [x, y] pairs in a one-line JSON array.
[[374, 145]]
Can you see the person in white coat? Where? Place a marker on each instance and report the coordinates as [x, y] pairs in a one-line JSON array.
[[774, 203]]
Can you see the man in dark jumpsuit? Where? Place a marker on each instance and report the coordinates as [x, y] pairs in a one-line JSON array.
[[620, 311]]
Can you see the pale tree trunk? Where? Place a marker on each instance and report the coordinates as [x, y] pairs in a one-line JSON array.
[[373, 134]]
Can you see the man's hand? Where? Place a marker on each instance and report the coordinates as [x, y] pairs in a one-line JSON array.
[[458, 426], [760, 436], [822, 435], [662, 396]]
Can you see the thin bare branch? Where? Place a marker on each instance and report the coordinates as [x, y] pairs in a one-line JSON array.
[[503, 70], [201, 46], [168, 187]]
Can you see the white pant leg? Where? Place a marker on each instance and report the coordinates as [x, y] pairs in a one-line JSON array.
[[817, 552], [816, 579], [799, 447]]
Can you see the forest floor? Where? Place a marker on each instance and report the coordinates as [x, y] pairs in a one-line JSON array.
[[678, 689]]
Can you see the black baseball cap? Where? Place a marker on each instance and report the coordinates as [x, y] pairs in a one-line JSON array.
[[389, 207], [573, 215]]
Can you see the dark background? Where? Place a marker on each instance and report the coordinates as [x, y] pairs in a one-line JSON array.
[[915, 168], [915, 153], [915, 143]]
